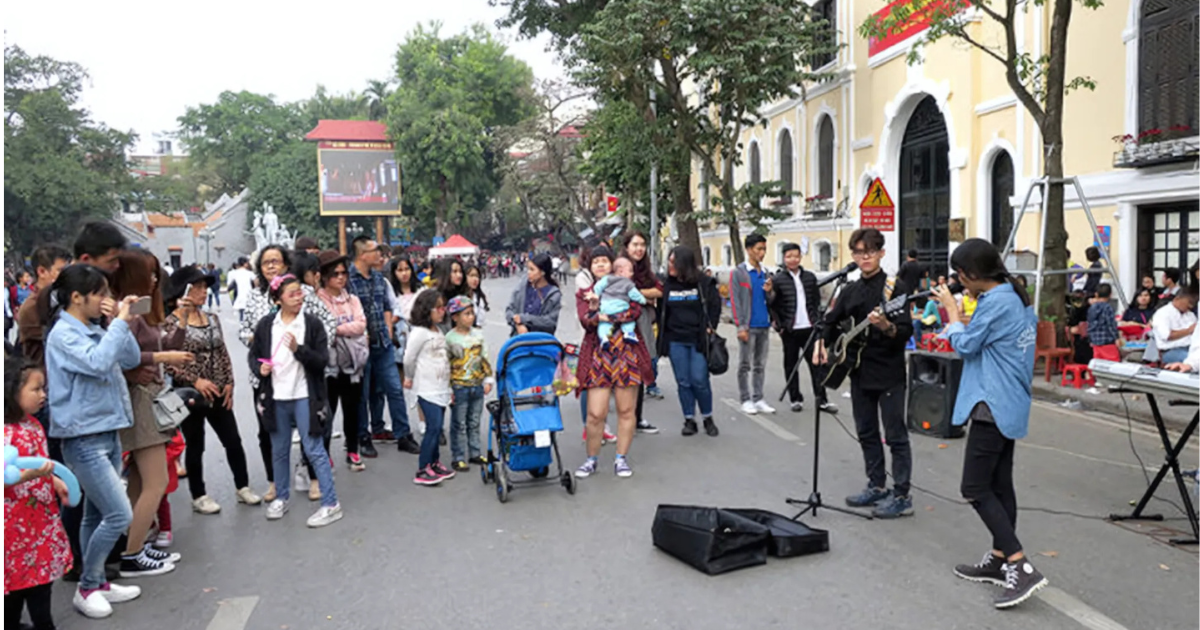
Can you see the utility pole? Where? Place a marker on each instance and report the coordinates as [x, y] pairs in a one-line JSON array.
[[653, 195]]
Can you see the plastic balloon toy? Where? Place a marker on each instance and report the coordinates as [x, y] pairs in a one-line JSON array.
[[14, 464]]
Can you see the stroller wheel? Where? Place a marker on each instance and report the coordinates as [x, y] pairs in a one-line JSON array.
[[568, 482], [483, 473], [502, 489], [540, 473]]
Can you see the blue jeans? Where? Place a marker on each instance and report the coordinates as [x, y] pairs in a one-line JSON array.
[[96, 461], [691, 378], [434, 415], [381, 380], [464, 421], [289, 413], [1174, 355]]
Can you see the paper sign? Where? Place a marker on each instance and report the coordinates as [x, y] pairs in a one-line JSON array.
[[541, 439]]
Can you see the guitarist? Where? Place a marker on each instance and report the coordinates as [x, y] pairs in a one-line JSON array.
[[877, 386]]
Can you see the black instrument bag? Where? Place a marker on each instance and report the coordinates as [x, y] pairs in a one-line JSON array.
[[711, 540]]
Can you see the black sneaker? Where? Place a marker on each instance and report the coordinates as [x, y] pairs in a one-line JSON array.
[[367, 449], [142, 566], [689, 427], [159, 555], [710, 427], [828, 407], [646, 427], [1021, 581], [989, 570], [383, 436], [441, 439], [478, 460], [426, 477], [407, 444], [868, 497]]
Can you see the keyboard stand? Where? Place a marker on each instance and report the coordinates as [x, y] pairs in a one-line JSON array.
[[1171, 464]]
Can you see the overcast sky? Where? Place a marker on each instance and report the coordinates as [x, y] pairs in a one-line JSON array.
[[150, 61]]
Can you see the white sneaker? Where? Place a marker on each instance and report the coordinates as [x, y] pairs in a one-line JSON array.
[[93, 606], [118, 593], [337, 435], [749, 408], [276, 509], [247, 496], [205, 505], [163, 540], [764, 407], [326, 516]]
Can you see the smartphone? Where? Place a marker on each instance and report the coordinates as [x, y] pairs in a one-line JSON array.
[[140, 307]]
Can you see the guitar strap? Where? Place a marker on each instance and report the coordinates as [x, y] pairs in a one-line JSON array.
[[889, 287]]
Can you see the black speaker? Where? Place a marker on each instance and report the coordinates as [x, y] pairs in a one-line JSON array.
[[932, 388]]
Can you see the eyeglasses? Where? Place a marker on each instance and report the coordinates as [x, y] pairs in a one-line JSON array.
[[440, 307], [338, 274], [863, 253]]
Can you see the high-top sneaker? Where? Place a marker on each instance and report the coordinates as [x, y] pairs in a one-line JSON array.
[[1021, 581], [989, 570]]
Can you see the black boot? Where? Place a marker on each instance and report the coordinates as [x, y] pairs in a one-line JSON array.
[[689, 427], [710, 427]]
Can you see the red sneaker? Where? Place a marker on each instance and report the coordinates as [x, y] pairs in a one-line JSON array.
[[441, 471]]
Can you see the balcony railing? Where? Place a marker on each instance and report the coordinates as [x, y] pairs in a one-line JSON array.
[[1146, 154], [818, 207]]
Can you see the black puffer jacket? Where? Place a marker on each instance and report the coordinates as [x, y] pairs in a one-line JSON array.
[[782, 299]]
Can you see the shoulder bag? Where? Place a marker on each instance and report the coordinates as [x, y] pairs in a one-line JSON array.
[[714, 345], [170, 410]]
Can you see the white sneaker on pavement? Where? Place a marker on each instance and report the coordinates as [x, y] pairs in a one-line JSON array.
[[247, 496], [93, 606], [276, 509], [749, 408], [118, 593], [326, 516], [205, 505], [762, 406]]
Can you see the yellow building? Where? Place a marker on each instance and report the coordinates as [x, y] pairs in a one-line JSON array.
[[950, 141]]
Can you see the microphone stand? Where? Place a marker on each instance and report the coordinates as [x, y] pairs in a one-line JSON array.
[[814, 498]]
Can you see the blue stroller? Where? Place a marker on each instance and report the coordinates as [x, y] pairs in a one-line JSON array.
[[525, 417]]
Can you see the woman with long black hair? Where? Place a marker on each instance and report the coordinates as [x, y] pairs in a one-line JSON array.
[[637, 250], [995, 395]]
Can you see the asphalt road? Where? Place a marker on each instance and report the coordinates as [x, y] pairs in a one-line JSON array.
[[453, 557]]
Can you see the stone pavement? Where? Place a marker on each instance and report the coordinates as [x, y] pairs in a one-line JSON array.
[[453, 557]]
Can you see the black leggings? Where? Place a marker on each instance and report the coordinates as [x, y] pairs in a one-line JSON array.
[[224, 423], [987, 482], [37, 598]]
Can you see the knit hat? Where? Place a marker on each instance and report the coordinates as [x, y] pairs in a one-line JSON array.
[[459, 304]]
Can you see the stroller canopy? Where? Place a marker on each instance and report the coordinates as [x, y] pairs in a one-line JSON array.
[[528, 361]]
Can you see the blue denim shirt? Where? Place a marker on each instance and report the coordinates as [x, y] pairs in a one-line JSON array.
[[86, 389], [997, 350]]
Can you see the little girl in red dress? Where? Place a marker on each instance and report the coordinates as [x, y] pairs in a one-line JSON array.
[[36, 548]]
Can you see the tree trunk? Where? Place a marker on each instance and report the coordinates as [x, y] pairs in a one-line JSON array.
[[1054, 288], [440, 221], [729, 209]]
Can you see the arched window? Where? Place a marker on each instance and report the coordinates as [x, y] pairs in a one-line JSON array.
[[727, 255], [786, 163], [707, 255], [779, 252], [1168, 66], [825, 11], [755, 164], [825, 158], [1002, 191]]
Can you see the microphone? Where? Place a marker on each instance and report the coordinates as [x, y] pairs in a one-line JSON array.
[[838, 275]]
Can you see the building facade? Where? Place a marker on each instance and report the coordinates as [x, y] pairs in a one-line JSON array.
[[217, 233], [954, 147]]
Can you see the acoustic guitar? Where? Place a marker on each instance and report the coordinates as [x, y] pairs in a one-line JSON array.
[[846, 353]]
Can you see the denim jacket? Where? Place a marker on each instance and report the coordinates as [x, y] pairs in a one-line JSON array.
[[85, 385], [997, 350]]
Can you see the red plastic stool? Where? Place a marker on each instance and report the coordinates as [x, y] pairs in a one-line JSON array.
[[942, 345], [1080, 376], [928, 341]]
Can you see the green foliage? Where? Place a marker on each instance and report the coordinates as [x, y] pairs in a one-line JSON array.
[[232, 135], [452, 94], [326, 106], [60, 167], [287, 180]]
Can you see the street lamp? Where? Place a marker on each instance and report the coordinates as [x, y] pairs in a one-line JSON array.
[[207, 235]]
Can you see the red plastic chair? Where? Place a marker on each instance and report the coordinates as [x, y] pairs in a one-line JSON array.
[[1047, 348]]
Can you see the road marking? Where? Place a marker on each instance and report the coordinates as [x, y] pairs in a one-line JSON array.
[[769, 425], [1087, 457], [1087, 616], [233, 613]]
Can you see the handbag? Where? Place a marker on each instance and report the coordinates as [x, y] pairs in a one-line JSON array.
[[714, 345], [170, 410]]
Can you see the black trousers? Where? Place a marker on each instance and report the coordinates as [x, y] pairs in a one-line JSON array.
[[224, 424], [37, 599], [264, 442], [793, 342], [987, 482], [871, 405]]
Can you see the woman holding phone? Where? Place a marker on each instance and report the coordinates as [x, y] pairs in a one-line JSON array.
[[211, 374], [140, 274]]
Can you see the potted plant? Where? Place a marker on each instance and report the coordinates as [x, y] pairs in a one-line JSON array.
[[1128, 147]]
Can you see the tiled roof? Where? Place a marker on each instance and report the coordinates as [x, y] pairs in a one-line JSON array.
[[353, 130], [163, 220]]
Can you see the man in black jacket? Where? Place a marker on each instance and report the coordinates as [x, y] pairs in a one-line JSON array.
[[794, 302], [877, 387]]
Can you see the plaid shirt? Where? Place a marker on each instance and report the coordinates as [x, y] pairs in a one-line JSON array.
[[1102, 324], [374, 294]]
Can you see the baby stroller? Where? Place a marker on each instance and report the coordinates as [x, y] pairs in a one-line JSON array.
[[525, 418]]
